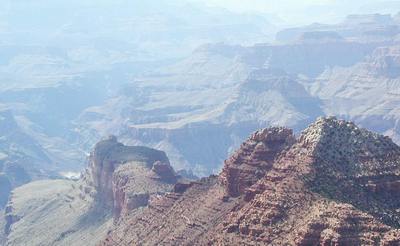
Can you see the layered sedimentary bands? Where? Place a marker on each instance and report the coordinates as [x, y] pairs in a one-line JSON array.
[[118, 179], [222, 93], [350, 70], [336, 184]]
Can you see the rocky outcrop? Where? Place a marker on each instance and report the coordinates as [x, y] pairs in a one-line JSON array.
[[254, 158], [134, 185], [321, 179], [122, 178], [333, 185], [119, 179]]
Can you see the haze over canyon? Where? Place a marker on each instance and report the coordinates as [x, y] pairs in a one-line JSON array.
[[199, 123]]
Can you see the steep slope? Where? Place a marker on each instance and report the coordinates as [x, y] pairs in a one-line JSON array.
[[335, 184], [118, 179], [22, 159]]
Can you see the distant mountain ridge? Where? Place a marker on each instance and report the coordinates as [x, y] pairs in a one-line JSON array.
[[361, 28], [212, 95], [221, 93]]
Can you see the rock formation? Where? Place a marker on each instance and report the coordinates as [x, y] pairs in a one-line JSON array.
[[336, 184], [119, 179], [218, 84], [108, 155], [254, 158], [123, 177]]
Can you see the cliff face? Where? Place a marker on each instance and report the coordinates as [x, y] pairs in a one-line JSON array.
[[254, 158], [318, 192], [124, 177], [119, 179], [335, 184]]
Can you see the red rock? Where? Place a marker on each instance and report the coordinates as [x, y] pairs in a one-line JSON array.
[[255, 157], [122, 178], [315, 190]]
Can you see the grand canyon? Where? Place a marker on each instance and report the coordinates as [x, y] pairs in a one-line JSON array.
[[180, 123]]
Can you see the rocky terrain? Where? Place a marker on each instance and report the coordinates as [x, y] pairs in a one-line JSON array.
[[336, 183], [193, 82], [54, 66], [178, 104], [119, 179], [22, 158], [221, 93], [367, 92]]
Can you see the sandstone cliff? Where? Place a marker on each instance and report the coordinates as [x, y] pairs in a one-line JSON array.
[[123, 177]]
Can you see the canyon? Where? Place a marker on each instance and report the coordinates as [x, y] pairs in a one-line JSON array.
[[335, 183], [218, 94], [131, 145], [221, 93]]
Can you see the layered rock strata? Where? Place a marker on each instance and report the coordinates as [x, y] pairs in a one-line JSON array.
[[333, 185]]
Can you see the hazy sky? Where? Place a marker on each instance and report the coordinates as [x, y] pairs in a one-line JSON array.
[[304, 11], [292, 12]]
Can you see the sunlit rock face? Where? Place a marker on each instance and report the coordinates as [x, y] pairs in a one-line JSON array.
[[254, 158]]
